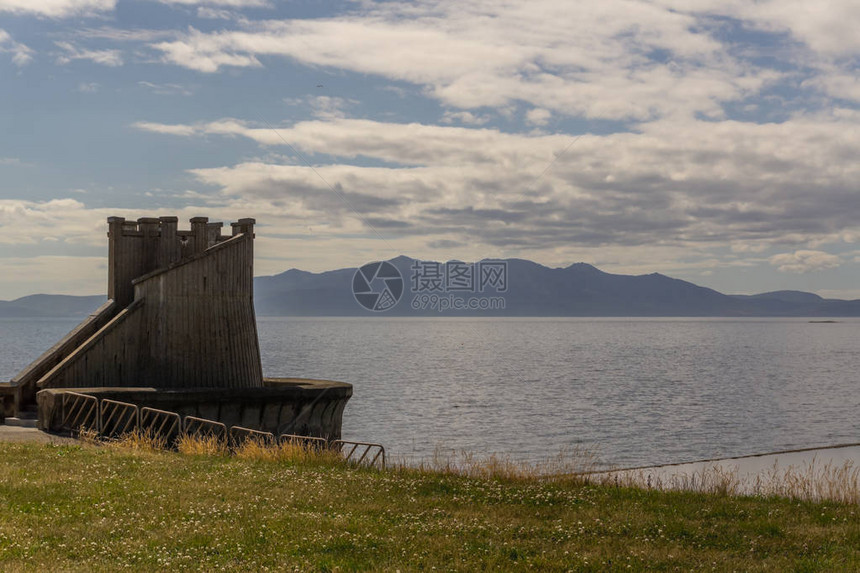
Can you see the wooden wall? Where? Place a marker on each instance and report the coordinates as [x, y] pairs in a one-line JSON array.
[[191, 325], [199, 326]]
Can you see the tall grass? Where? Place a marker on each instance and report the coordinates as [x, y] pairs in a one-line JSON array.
[[566, 465], [206, 445], [252, 449], [810, 482]]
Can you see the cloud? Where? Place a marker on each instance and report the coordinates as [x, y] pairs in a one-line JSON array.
[[702, 185], [10, 161], [216, 14], [828, 27], [29, 222], [199, 52], [111, 58], [592, 60], [21, 54], [330, 107], [599, 59], [184, 130], [805, 261], [838, 85], [725, 144], [91, 87], [464, 117], [125, 35], [538, 116], [165, 89], [57, 8]]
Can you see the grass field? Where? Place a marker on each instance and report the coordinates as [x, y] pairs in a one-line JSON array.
[[97, 508]]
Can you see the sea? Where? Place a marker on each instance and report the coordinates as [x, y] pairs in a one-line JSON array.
[[631, 391]]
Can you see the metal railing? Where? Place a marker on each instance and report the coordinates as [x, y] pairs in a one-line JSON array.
[[203, 428], [361, 453], [118, 418], [79, 411], [240, 435], [306, 442], [161, 424], [112, 418]]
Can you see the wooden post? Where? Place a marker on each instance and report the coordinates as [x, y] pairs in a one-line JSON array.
[[198, 234], [168, 246]]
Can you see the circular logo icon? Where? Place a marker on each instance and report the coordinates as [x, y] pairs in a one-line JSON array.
[[377, 286]]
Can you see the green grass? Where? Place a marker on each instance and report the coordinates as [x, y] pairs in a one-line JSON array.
[[90, 508]]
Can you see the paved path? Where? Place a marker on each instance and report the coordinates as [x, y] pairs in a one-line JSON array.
[[18, 434]]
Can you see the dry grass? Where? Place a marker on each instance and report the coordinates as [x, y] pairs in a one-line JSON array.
[[285, 452], [207, 445], [567, 465], [138, 440], [88, 436], [815, 482], [810, 482]]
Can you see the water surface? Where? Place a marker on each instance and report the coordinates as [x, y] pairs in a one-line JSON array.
[[638, 391]]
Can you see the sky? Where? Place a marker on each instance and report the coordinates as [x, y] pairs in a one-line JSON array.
[[715, 141]]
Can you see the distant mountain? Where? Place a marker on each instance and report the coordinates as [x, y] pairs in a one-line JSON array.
[[533, 290], [536, 290], [50, 305], [789, 296]]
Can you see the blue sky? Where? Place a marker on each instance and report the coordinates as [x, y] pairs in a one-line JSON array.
[[714, 141]]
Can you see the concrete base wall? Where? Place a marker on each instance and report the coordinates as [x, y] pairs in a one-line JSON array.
[[282, 406]]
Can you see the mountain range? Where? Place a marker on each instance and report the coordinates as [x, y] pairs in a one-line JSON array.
[[532, 290]]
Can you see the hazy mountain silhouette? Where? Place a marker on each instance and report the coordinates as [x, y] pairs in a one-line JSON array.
[[533, 290], [50, 305], [536, 290]]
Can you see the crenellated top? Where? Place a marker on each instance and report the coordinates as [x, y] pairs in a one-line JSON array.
[[166, 227], [136, 248]]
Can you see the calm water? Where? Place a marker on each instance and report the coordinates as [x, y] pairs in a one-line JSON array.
[[638, 391]]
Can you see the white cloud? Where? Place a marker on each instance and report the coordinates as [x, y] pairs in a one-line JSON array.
[[330, 107], [111, 58], [589, 59], [538, 116], [21, 54], [57, 8], [166, 89], [838, 85], [29, 222], [215, 14], [826, 26], [464, 117], [611, 59], [10, 161], [183, 130], [805, 261], [704, 185]]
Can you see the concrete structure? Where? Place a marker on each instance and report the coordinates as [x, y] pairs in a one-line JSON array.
[[178, 329]]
